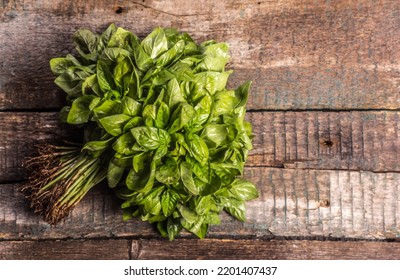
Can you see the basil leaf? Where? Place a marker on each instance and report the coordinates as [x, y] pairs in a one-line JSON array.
[[169, 200], [234, 207], [197, 148], [168, 173], [114, 174], [123, 145], [86, 43], [180, 117], [114, 124], [216, 57], [174, 94], [243, 190], [104, 77], [187, 178], [80, 112], [130, 106], [214, 135], [155, 43], [142, 180], [107, 108], [106, 36], [162, 117], [150, 138]]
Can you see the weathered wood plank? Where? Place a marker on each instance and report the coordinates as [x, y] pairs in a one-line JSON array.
[[199, 249], [19, 133], [264, 250], [300, 54], [65, 250], [316, 140], [352, 140], [306, 203]]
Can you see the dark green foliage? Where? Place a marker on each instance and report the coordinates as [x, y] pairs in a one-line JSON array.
[[174, 138]]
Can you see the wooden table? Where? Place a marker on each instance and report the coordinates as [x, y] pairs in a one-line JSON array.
[[324, 104]]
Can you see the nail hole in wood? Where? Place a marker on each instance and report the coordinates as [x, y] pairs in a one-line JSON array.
[[119, 10], [324, 203], [328, 143]]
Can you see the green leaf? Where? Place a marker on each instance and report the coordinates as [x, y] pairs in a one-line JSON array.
[[168, 173], [210, 188], [155, 43], [214, 135], [202, 204], [91, 86], [172, 54], [244, 190], [151, 202], [123, 145], [143, 61], [104, 77], [235, 207], [80, 112], [163, 114], [143, 180], [197, 148], [180, 117], [121, 71], [187, 178], [71, 81], [130, 106], [242, 94], [134, 122], [150, 138], [120, 39], [173, 227], [86, 43], [114, 54], [203, 110], [139, 160], [114, 174], [174, 94], [212, 81], [188, 214], [216, 57], [107, 108], [106, 36], [224, 102], [97, 146], [114, 124], [60, 65], [169, 200]]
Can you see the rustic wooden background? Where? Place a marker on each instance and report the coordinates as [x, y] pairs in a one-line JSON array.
[[324, 104]]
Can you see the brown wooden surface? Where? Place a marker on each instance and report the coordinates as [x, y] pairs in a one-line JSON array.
[[207, 249], [324, 105], [300, 54]]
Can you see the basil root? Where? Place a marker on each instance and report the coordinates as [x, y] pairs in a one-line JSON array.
[[160, 126]]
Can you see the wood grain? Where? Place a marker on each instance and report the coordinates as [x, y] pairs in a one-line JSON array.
[[327, 140], [312, 140], [300, 54], [207, 249], [65, 250], [292, 203], [264, 250], [20, 132]]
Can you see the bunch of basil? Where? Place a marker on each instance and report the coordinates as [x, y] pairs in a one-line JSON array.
[[158, 117]]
